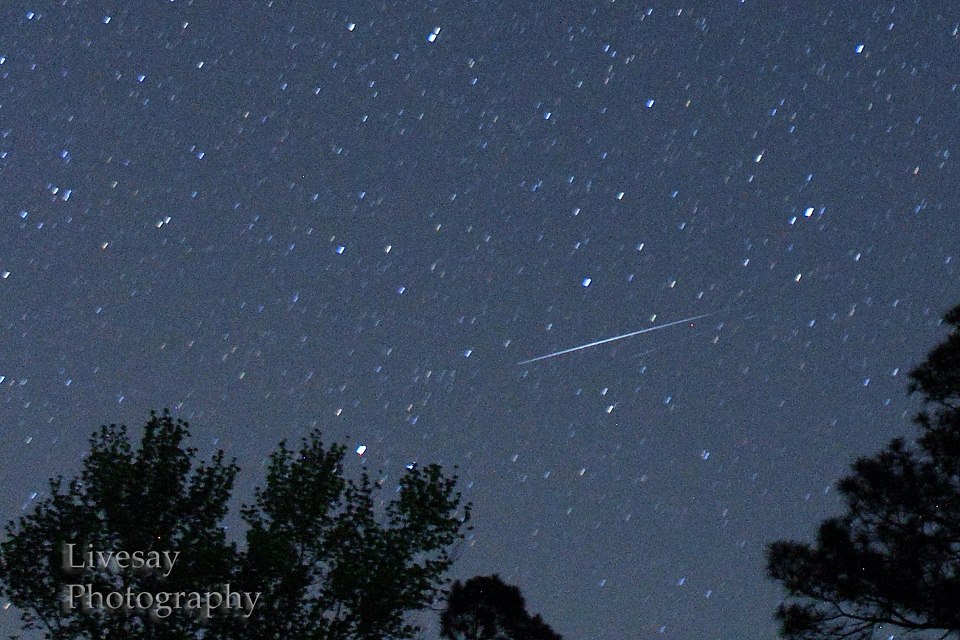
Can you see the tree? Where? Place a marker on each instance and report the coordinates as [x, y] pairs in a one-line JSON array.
[[326, 567], [327, 561], [486, 608], [892, 561], [122, 500]]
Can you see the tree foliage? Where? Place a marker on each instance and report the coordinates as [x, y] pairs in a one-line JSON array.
[[330, 559], [892, 561], [486, 608], [327, 566]]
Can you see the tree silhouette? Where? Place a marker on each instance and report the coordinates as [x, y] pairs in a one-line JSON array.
[[892, 561], [329, 560], [327, 568], [486, 608], [123, 499]]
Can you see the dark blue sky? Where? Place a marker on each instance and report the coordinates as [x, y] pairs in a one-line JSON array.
[[270, 216]]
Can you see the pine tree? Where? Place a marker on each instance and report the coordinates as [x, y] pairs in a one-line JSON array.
[[891, 563]]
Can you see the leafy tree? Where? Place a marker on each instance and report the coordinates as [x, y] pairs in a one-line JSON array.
[[328, 560], [891, 563], [326, 567], [122, 500], [486, 608]]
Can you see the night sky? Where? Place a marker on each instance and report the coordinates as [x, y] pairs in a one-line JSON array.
[[271, 216]]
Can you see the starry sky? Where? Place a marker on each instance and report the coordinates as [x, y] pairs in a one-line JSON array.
[[274, 215]]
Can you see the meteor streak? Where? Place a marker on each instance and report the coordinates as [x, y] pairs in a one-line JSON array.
[[620, 337]]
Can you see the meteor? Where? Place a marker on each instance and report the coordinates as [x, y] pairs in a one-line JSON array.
[[620, 337]]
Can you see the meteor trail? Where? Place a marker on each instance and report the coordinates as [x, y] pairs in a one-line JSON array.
[[620, 337]]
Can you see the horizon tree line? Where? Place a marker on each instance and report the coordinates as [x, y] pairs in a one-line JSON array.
[[329, 560]]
